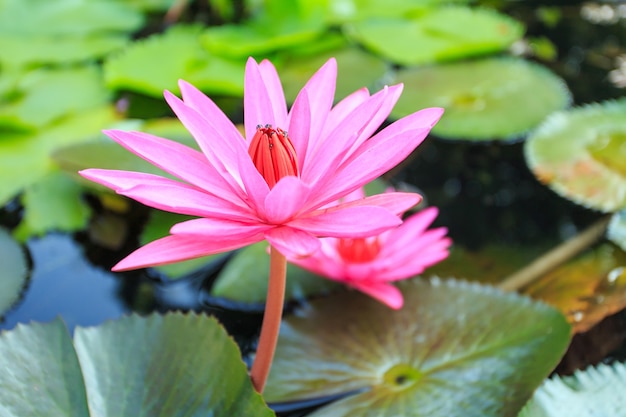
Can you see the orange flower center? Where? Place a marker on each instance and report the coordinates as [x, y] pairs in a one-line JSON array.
[[358, 250], [273, 154]]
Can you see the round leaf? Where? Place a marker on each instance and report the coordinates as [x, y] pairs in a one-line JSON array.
[[439, 34], [455, 349], [484, 100], [581, 155], [14, 271], [173, 365], [597, 391]]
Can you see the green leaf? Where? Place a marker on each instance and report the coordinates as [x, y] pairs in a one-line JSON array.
[[580, 154], [52, 203], [355, 69], [596, 391], [21, 51], [66, 17], [496, 98], [148, 5], [131, 367], [142, 68], [159, 226], [14, 271], [246, 275], [455, 349], [616, 231], [45, 96], [440, 34], [25, 158]]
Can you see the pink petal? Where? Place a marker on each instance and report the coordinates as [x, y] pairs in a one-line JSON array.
[[255, 185], [219, 229], [416, 265], [323, 160], [172, 249], [341, 110], [395, 202], [195, 99], [351, 222], [411, 230], [320, 90], [178, 160], [292, 242], [379, 154], [257, 102], [275, 90], [220, 153], [414, 253], [381, 291], [299, 129], [285, 199], [165, 194]]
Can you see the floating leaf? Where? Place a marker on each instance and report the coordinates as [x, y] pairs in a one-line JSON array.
[[341, 11], [245, 278], [20, 51], [356, 69], [455, 349], [580, 154], [66, 17], [484, 100], [439, 34], [14, 271], [143, 68], [148, 5], [261, 36], [586, 289], [616, 231], [131, 367], [25, 158], [45, 96], [596, 391], [159, 226], [52, 203]]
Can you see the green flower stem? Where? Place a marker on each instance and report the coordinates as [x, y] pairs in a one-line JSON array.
[[557, 256], [271, 320]]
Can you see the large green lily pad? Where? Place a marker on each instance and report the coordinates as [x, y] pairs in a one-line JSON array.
[[245, 278], [455, 349], [495, 98], [594, 392], [25, 158], [142, 67], [14, 271], [438, 34], [52, 203], [173, 365], [581, 155], [342, 11]]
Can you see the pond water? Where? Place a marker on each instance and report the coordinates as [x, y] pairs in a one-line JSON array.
[[486, 194]]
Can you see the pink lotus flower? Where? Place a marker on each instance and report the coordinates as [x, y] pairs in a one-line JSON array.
[[271, 184], [369, 264]]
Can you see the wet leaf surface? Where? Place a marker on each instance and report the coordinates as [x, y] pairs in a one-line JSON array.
[[14, 273]]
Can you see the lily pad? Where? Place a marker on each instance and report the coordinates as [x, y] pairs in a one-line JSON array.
[[245, 278], [142, 68], [14, 271], [596, 391], [355, 69], [66, 17], [21, 51], [586, 289], [25, 158], [495, 98], [52, 203], [131, 367], [616, 231], [45, 96], [581, 155], [455, 349], [342, 11], [438, 34]]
